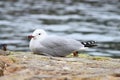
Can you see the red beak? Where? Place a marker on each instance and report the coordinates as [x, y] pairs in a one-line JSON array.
[[30, 37]]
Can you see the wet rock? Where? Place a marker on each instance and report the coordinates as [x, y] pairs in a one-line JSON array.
[[3, 47]]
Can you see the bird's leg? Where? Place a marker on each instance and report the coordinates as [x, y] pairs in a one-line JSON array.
[[75, 54]]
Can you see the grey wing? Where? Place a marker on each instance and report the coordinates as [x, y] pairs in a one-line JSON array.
[[58, 46]]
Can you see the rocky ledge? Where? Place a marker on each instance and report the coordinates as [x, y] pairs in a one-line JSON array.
[[28, 66]]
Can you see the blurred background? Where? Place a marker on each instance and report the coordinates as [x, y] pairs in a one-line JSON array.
[[83, 20]]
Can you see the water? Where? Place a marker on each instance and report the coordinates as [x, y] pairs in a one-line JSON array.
[[83, 20]]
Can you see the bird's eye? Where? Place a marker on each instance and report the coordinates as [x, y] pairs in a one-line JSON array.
[[39, 34]]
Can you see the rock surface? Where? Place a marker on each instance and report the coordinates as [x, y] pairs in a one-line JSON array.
[[27, 66]]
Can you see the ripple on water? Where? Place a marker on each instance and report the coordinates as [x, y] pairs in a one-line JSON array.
[[82, 20]]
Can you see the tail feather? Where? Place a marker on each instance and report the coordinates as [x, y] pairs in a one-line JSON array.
[[89, 43]]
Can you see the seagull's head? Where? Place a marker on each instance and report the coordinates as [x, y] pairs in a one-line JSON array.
[[38, 33]]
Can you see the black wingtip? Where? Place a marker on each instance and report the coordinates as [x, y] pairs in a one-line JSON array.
[[89, 43]]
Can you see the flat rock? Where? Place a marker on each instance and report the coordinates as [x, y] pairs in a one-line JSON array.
[[28, 66], [4, 52]]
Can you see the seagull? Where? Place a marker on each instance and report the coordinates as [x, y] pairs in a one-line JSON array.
[[56, 46]]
